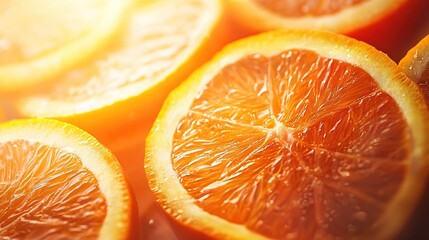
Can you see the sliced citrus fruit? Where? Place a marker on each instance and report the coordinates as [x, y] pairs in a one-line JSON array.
[[291, 134], [41, 38], [385, 24], [160, 46], [58, 182], [416, 65]]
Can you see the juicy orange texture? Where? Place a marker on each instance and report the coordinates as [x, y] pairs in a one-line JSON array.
[[59, 182], [310, 146], [37, 182], [125, 84]]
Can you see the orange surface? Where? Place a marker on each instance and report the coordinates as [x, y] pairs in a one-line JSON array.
[[298, 138], [125, 85], [58, 182], [116, 95], [124, 125], [48, 194], [248, 138]]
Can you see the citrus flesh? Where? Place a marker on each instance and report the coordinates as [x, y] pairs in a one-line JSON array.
[[34, 199], [153, 54], [416, 64], [58, 182], [293, 139], [126, 65], [306, 7], [37, 43], [307, 160]]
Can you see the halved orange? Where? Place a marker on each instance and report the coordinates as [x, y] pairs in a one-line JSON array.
[[293, 134], [127, 83], [58, 182], [416, 65], [385, 24], [39, 39]]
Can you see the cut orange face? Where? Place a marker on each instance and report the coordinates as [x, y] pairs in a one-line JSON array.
[[162, 43], [58, 182], [416, 65], [291, 134], [41, 38], [385, 24]]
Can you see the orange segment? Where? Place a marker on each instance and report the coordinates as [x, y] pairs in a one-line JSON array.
[[39, 39], [43, 188], [296, 134], [162, 43], [58, 182], [416, 65]]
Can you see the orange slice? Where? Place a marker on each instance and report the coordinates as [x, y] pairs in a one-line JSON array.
[[292, 134], [58, 182], [161, 45], [385, 24], [416, 65], [41, 38]]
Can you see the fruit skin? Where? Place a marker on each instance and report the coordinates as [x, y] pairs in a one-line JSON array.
[[416, 61], [389, 32], [416, 65], [123, 221], [178, 203]]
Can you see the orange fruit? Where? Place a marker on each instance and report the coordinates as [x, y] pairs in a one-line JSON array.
[[416, 65], [58, 182], [293, 134], [127, 83], [39, 39], [385, 24]]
